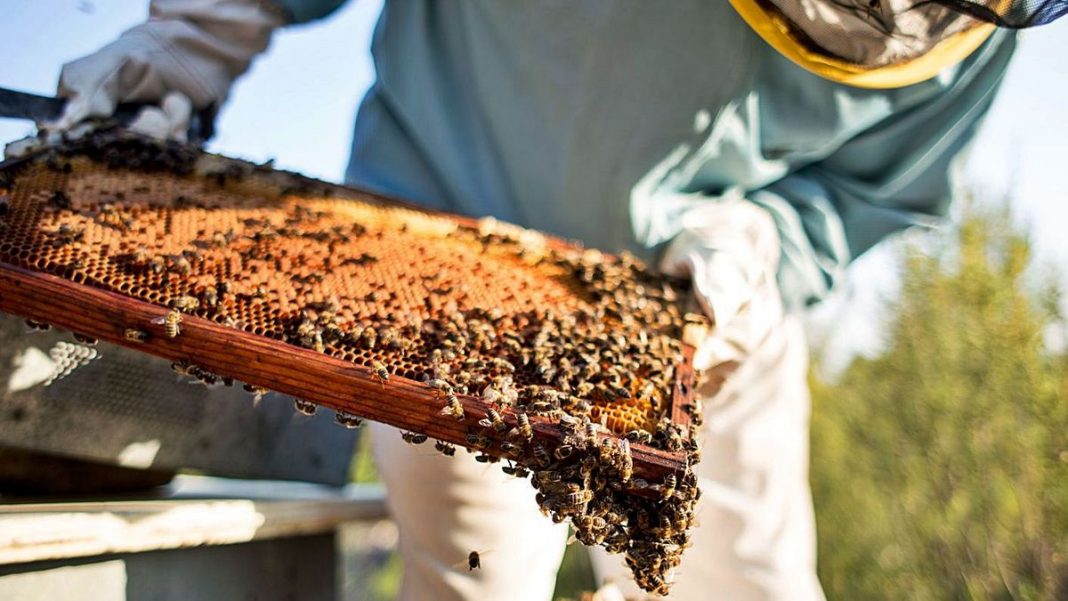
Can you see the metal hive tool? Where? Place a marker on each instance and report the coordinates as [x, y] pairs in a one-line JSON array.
[[466, 331]]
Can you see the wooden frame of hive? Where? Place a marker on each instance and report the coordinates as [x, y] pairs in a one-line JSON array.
[[287, 368]]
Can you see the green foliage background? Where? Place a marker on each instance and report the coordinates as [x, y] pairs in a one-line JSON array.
[[940, 468]]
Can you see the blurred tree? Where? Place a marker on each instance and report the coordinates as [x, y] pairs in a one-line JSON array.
[[940, 468]]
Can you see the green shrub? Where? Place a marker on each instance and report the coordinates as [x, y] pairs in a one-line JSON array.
[[940, 468]]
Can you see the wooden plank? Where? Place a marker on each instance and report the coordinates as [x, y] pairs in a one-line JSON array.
[[36, 531]]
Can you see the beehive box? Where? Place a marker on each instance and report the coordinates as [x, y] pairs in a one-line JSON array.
[[565, 362]]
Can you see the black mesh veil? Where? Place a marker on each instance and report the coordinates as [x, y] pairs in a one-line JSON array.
[[1014, 14]]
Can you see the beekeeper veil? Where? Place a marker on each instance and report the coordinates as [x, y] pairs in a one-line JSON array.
[[887, 43]]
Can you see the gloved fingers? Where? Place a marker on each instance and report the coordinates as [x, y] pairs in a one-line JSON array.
[[78, 109], [22, 147], [91, 86], [170, 120]]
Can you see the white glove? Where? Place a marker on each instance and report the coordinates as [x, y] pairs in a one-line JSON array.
[[730, 250], [185, 57]]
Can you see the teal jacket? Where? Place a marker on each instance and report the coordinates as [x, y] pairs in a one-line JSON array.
[[605, 121]]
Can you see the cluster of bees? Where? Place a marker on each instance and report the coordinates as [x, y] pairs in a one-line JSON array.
[[601, 370]]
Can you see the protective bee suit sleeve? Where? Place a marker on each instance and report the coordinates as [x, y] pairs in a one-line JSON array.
[[892, 176], [830, 207]]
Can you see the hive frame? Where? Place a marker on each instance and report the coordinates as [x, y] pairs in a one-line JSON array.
[[296, 371]]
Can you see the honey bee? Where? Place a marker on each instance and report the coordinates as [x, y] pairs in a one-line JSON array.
[[390, 338], [667, 487], [541, 456], [180, 264], [453, 408], [639, 484], [541, 408], [440, 386], [484, 458], [576, 500], [523, 429], [626, 465], [656, 584], [583, 389], [183, 368], [413, 438], [445, 448], [563, 451], [87, 340], [379, 372], [368, 337], [607, 451], [477, 441], [546, 370], [639, 436], [589, 429], [304, 407], [493, 420], [157, 264], [474, 561], [512, 450], [139, 255], [185, 303], [474, 363], [672, 440], [502, 365], [310, 336], [135, 335], [210, 296], [348, 420], [694, 451], [170, 323], [515, 470], [578, 406], [257, 392], [60, 199], [513, 346], [491, 395], [205, 377]]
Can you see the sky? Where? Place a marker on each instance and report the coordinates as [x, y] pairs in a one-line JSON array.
[[297, 105]]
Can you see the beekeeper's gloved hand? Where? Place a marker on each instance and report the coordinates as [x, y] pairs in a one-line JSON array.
[[730, 249], [184, 58]]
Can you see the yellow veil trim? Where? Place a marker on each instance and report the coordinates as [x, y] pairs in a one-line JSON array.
[[776, 32]]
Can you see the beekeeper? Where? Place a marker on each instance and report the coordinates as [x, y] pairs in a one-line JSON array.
[[757, 146]]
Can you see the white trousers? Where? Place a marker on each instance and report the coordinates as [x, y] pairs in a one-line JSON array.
[[755, 537]]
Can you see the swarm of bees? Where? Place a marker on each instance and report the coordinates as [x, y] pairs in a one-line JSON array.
[[599, 371]]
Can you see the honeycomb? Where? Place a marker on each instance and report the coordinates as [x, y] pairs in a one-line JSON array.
[[517, 321]]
